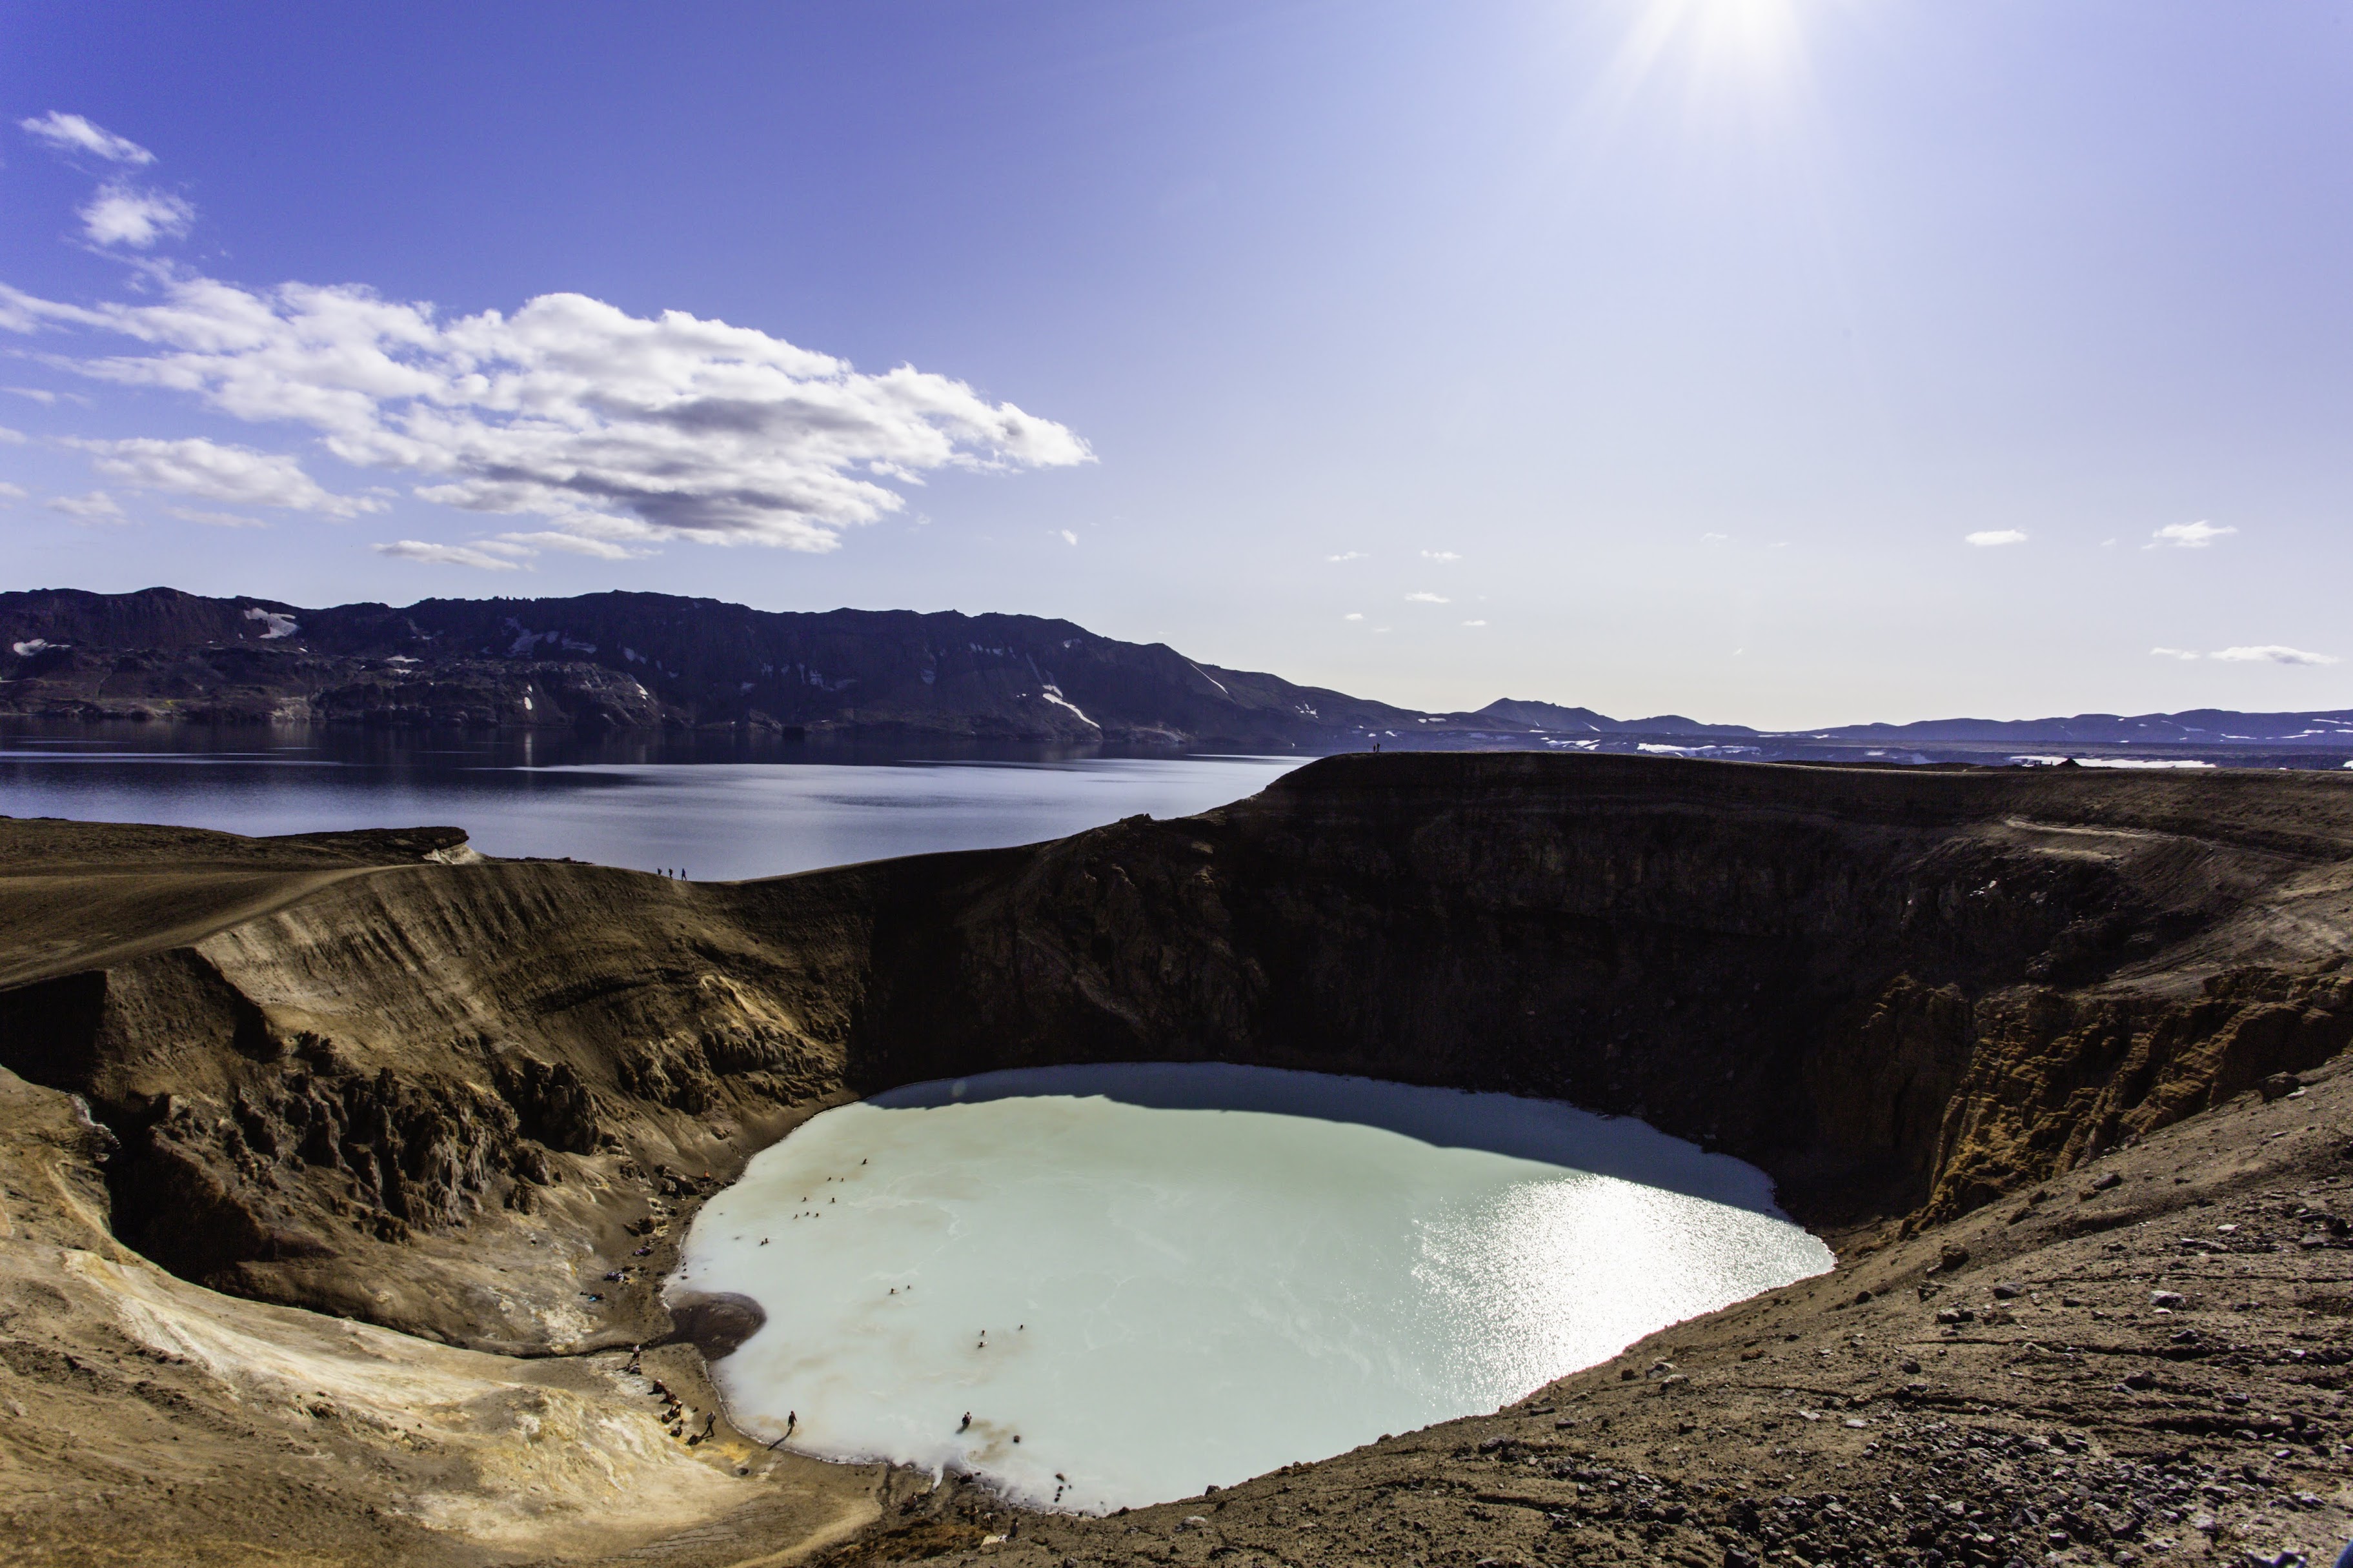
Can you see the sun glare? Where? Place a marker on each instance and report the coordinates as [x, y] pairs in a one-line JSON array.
[[1722, 47]]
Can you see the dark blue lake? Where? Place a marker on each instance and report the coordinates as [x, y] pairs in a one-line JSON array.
[[718, 808]]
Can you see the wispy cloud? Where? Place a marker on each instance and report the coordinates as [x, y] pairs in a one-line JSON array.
[[2272, 653], [215, 519], [481, 559], [1068, 537], [209, 471], [1446, 557], [569, 543], [1346, 555], [2186, 536], [669, 427], [1352, 615], [95, 507], [2173, 653], [73, 133], [11, 493], [121, 213], [1428, 599], [1714, 538], [11, 438], [1474, 623], [1987, 539]]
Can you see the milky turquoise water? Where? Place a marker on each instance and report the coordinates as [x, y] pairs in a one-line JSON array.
[[1140, 1280]]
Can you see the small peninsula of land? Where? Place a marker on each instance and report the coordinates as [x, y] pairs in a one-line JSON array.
[[341, 1171]]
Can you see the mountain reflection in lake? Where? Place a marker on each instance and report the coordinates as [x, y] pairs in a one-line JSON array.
[[1138, 1281]]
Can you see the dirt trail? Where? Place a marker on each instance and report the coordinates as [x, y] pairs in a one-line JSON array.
[[97, 919]]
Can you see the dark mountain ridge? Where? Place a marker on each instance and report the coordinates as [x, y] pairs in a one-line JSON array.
[[621, 661], [636, 660]]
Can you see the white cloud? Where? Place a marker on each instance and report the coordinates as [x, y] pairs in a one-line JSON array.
[[1988, 538], [1714, 538], [11, 493], [1474, 623], [1346, 555], [672, 427], [95, 507], [2272, 653], [1352, 615], [1446, 556], [2172, 653], [445, 554], [211, 471], [11, 438], [118, 214], [1068, 538], [215, 519], [73, 133], [1426, 599], [2186, 536]]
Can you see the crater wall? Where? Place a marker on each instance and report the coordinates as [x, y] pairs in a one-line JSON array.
[[1902, 992]]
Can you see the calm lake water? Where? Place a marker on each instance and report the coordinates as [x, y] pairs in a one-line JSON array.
[[718, 809], [1140, 1280]]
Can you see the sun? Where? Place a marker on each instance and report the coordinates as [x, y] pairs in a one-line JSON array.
[[1722, 45]]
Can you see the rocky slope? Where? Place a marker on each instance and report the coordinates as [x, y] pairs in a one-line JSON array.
[[472, 1102]]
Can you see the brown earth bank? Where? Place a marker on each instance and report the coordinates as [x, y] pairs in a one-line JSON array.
[[341, 1171]]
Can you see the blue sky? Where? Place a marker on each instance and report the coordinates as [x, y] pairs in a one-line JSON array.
[[1651, 354]]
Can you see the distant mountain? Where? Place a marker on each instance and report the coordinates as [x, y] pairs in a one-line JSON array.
[[636, 661], [1549, 715], [1553, 717], [2198, 726]]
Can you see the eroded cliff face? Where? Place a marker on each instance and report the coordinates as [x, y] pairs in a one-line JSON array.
[[1901, 992]]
